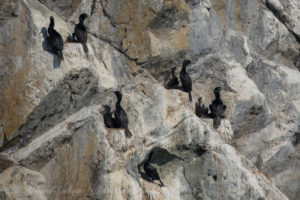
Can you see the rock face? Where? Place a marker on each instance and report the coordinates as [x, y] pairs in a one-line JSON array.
[[53, 141]]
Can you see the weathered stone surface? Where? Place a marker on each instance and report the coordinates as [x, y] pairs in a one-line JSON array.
[[50, 113], [22, 183]]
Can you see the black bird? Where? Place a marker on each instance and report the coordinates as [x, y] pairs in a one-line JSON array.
[[151, 171], [80, 33], [217, 108], [121, 116], [201, 110], [109, 121], [54, 40], [185, 79], [174, 81]]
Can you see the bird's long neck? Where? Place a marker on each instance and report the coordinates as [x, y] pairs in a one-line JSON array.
[[218, 96], [51, 25], [183, 69], [173, 72], [118, 104], [81, 21], [199, 101]]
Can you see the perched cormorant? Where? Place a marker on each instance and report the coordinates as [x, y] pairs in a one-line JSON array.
[[174, 81], [185, 79], [201, 110], [217, 108], [80, 33], [151, 171], [54, 40], [109, 121], [121, 116]]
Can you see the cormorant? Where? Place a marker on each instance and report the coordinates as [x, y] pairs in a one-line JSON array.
[[217, 108], [54, 40], [121, 116], [80, 33], [151, 171], [185, 79], [109, 121], [201, 110], [174, 81]]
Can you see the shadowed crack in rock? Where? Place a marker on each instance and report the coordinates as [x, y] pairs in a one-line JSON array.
[[283, 18], [166, 18], [110, 43], [110, 19], [189, 184], [162, 156], [74, 92], [93, 7]]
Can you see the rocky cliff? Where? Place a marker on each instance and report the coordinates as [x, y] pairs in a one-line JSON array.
[[53, 142]]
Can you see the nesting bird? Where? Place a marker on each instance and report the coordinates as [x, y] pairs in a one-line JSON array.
[[151, 171], [54, 40], [121, 119], [80, 32], [173, 83], [217, 108], [201, 110], [185, 79], [109, 121]]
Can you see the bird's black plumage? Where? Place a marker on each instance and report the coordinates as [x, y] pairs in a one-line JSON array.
[[109, 121], [201, 110], [185, 79], [173, 83], [151, 171], [217, 108], [80, 32], [54, 40], [121, 116]]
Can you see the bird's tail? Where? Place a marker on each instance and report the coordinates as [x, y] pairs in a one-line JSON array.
[[190, 96], [161, 183], [85, 48], [60, 55], [128, 134], [216, 122]]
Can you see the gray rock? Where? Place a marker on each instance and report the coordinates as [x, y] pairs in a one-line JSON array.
[[22, 183], [52, 133]]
